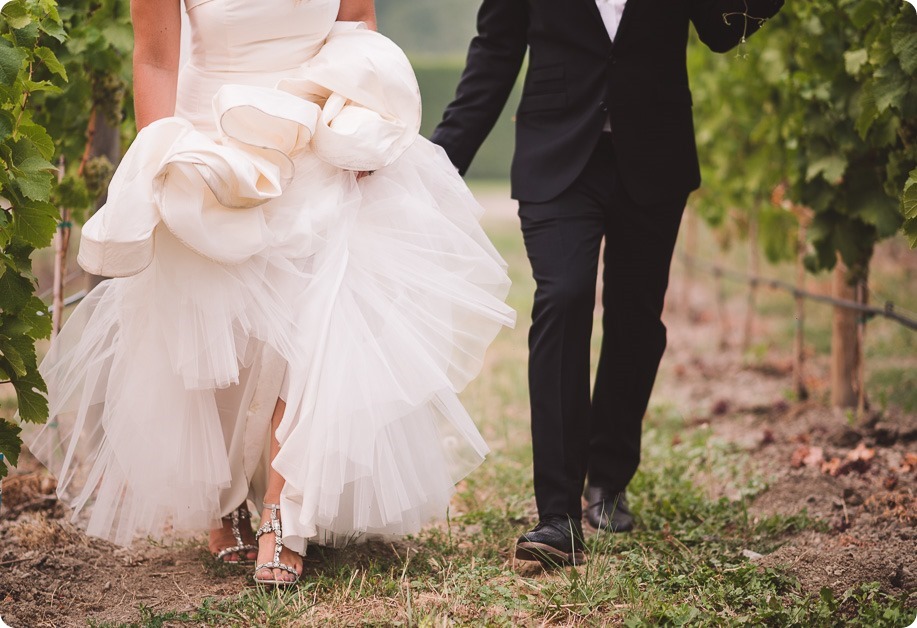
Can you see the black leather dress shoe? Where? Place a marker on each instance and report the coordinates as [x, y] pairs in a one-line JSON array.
[[555, 541], [608, 511]]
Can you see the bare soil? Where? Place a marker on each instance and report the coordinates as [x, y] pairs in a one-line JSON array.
[[857, 477]]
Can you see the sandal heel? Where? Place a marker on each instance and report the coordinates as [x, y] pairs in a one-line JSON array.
[[274, 525]]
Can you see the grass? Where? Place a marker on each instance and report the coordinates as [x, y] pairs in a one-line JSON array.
[[684, 565]]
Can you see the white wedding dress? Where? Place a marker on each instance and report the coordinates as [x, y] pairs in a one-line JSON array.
[[249, 265]]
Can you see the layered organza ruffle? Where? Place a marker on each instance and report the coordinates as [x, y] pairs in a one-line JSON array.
[[252, 264]]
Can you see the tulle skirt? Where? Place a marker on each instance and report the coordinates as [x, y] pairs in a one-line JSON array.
[[368, 309]]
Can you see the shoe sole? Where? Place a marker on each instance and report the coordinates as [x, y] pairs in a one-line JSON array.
[[608, 529], [548, 555]]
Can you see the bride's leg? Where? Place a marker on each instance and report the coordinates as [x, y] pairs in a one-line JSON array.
[[272, 496]]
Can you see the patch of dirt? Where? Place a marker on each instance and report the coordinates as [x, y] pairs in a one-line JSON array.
[[864, 494], [857, 480], [53, 575]]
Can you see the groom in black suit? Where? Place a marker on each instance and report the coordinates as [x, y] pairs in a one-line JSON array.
[[604, 148]]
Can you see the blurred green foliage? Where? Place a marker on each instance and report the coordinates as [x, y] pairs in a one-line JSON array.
[[438, 78]]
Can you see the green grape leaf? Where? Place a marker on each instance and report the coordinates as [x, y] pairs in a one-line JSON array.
[[53, 28], [831, 167], [15, 290], [868, 112], [32, 171], [36, 315], [909, 199], [41, 86], [10, 444], [7, 124], [14, 326], [863, 12], [854, 60], [854, 240], [11, 355], [882, 213], [31, 391], [910, 231], [34, 183], [16, 14], [904, 44], [39, 137], [909, 208], [27, 36], [890, 88], [18, 257], [35, 222], [10, 63], [51, 61]]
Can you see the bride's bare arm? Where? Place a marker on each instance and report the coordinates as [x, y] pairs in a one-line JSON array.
[[357, 11], [157, 41]]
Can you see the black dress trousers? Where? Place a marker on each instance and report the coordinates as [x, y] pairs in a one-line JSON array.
[[575, 433]]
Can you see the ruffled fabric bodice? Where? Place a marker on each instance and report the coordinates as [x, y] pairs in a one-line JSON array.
[[355, 105]]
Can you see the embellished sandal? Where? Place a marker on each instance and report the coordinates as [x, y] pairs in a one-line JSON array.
[[266, 528], [241, 547]]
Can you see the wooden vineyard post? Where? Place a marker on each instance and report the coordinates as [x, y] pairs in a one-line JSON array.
[[722, 309], [862, 299], [61, 244], [753, 269], [690, 250], [803, 219], [845, 350]]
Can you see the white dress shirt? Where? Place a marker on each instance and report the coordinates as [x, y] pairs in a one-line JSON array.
[[611, 11]]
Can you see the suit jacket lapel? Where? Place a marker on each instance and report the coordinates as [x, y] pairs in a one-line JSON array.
[[594, 12], [625, 18]]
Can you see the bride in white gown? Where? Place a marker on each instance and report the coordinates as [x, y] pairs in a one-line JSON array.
[[281, 327]]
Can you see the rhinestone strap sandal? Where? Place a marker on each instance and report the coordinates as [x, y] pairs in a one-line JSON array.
[[241, 547], [266, 528]]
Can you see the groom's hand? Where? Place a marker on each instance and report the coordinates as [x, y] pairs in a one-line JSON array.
[[723, 24]]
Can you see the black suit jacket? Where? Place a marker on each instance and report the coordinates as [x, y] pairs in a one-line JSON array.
[[577, 78]]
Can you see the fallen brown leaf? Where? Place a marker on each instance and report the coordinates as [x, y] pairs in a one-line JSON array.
[[909, 464], [890, 482], [798, 458], [815, 458], [831, 467], [861, 452]]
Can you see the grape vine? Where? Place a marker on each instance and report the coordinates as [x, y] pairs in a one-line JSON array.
[[826, 105], [29, 69], [96, 56]]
